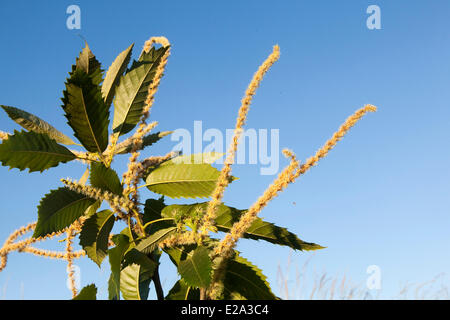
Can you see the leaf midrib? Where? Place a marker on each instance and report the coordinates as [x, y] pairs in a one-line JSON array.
[[46, 219], [134, 97], [180, 181], [72, 156], [89, 122]]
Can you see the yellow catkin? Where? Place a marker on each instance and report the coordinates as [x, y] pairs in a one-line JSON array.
[[4, 135], [116, 202], [24, 245], [185, 238], [54, 254], [85, 157], [140, 132], [338, 135], [10, 246], [128, 143], [156, 160], [238, 229], [287, 176], [225, 173], [69, 258], [137, 143]]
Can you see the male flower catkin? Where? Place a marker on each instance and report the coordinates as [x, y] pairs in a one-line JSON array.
[[225, 248], [223, 180], [287, 176], [143, 128]]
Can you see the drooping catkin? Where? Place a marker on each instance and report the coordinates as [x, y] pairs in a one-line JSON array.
[[223, 180], [24, 245], [69, 258], [54, 254], [9, 246]]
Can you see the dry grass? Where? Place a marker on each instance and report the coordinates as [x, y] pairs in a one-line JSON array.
[[302, 283]]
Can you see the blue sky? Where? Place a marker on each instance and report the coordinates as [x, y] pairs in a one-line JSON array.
[[381, 197]]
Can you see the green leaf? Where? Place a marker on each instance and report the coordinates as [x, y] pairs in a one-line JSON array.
[[148, 140], [105, 178], [34, 151], [86, 112], [94, 235], [87, 62], [114, 73], [161, 230], [176, 179], [131, 92], [113, 288], [136, 275], [36, 124], [181, 291], [244, 280], [87, 293], [59, 209], [196, 270], [153, 209], [259, 230], [115, 260]]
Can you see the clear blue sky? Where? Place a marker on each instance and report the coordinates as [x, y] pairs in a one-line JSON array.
[[381, 197]]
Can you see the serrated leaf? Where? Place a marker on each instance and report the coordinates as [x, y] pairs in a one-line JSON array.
[[59, 209], [87, 293], [153, 209], [176, 179], [259, 230], [87, 62], [34, 151], [161, 230], [114, 73], [105, 178], [36, 124], [181, 291], [196, 270], [132, 91], [94, 235], [86, 112], [148, 140], [136, 275], [262, 230], [243, 279]]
